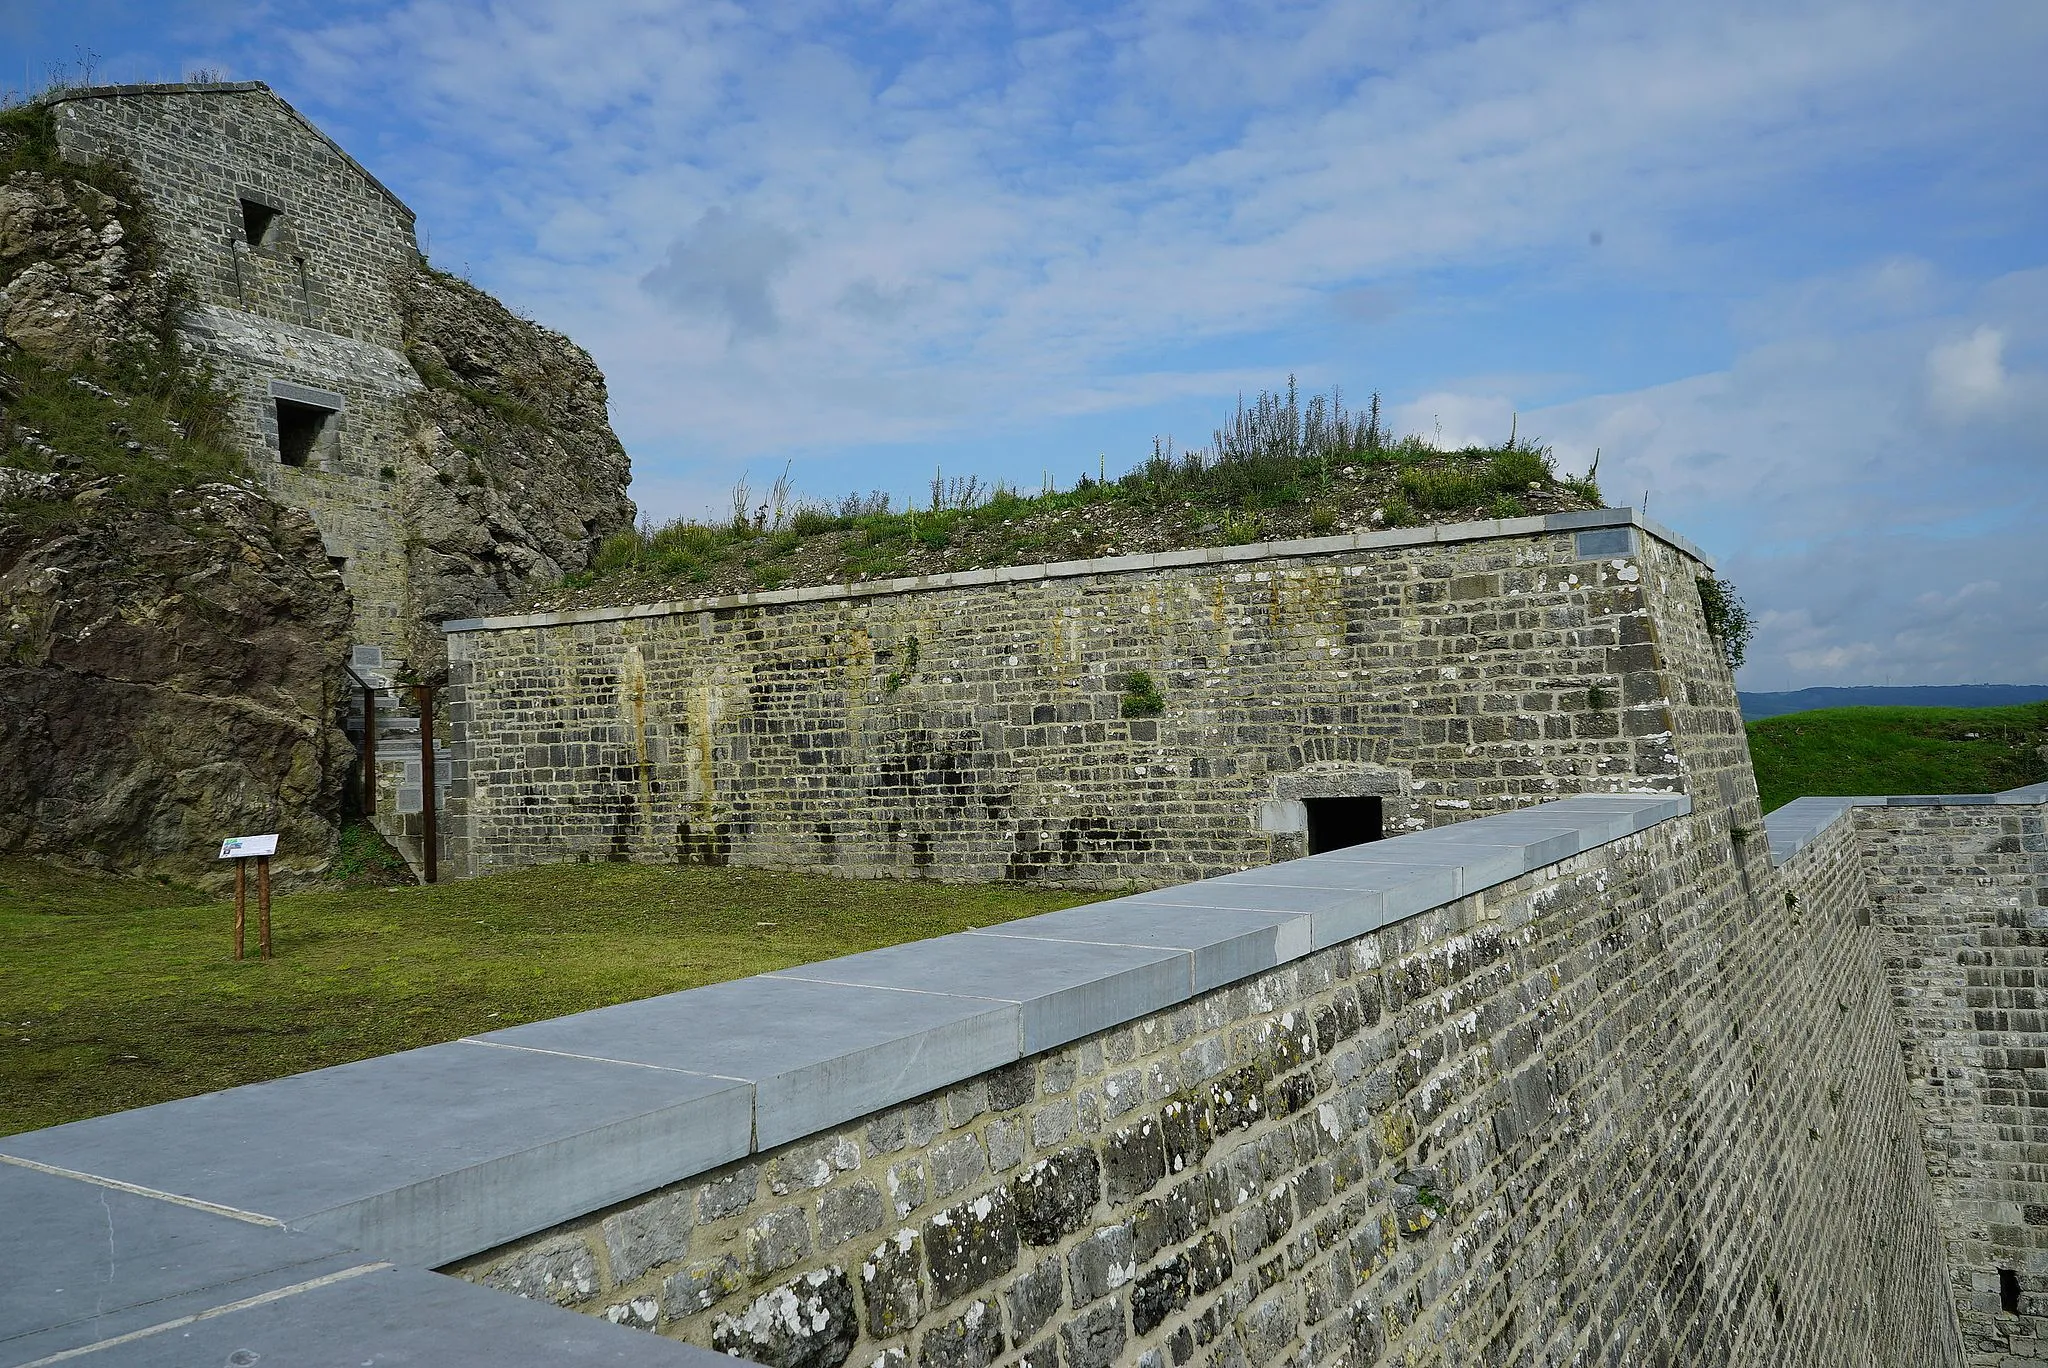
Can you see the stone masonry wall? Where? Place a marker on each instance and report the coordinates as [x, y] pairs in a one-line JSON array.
[[1636, 1107], [974, 729], [311, 304], [1959, 897]]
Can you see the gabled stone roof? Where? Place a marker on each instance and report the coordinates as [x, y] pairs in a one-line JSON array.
[[228, 88]]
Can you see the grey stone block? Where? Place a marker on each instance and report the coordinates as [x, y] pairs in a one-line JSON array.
[[401, 1315], [816, 1053], [1063, 990], [83, 1263], [1226, 944], [421, 1157], [807, 1322], [650, 1233]]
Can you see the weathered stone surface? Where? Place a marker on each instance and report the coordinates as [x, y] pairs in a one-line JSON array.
[[967, 1245], [702, 1284], [73, 287], [973, 1339], [1133, 1160], [641, 1313], [776, 1240], [1349, 696], [655, 1232], [892, 1285], [957, 1163], [849, 1212], [1102, 1263], [813, 1164], [1159, 1293], [1094, 1338], [726, 1195], [907, 1186], [805, 1323], [1055, 1195], [167, 678], [562, 1271], [514, 475], [1035, 1298]]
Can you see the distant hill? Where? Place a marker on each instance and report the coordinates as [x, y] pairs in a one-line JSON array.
[[1756, 705]]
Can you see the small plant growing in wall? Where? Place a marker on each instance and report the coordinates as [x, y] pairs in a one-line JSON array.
[[1598, 699], [1728, 620], [1141, 696], [899, 677]]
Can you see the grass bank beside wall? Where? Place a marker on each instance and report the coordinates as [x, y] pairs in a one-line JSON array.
[[116, 993], [1846, 752]]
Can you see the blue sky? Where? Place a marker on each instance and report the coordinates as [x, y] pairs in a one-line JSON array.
[[1784, 265]]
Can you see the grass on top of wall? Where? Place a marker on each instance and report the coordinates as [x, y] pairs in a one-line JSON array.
[[116, 993], [1283, 466], [1845, 752]]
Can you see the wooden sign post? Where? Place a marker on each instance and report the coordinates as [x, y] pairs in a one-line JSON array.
[[242, 849]]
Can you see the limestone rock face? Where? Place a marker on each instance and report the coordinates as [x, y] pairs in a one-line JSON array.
[[70, 287], [515, 475], [167, 678]]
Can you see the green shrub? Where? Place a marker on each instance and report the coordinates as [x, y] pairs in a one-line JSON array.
[[1514, 470], [1141, 696], [811, 521], [1441, 490]]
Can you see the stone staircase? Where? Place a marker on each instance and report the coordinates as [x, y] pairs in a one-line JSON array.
[[400, 805]]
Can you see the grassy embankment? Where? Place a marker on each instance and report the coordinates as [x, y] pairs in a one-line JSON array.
[[116, 993], [1852, 751], [1283, 466]]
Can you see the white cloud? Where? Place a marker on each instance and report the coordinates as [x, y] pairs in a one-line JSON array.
[[1969, 373], [927, 224]]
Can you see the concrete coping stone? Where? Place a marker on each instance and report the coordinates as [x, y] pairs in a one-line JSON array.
[[429, 1156], [1799, 823], [1438, 534]]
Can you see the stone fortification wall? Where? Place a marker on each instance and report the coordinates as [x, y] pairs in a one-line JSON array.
[[1960, 896], [975, 727], [1627, 1108], [1954, 890], [1571, 1084], [305, 311]]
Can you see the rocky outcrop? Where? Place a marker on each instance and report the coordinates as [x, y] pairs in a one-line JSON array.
[[167, 678], [72, 281], [515, 474]]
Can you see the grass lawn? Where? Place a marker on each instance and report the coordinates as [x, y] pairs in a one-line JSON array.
[[117, 993], [1849, 751]]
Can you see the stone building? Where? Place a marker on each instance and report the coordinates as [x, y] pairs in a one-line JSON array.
[[293, 254]]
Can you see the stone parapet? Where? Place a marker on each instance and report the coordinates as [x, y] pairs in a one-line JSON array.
[[1470, 1087]]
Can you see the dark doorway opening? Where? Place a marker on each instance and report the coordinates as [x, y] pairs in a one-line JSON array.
[[299, 430], [2009, 1291], [1334, 823]]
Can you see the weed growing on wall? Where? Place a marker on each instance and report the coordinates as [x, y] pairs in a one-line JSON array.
[[1281, 466], [1727, 617]]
